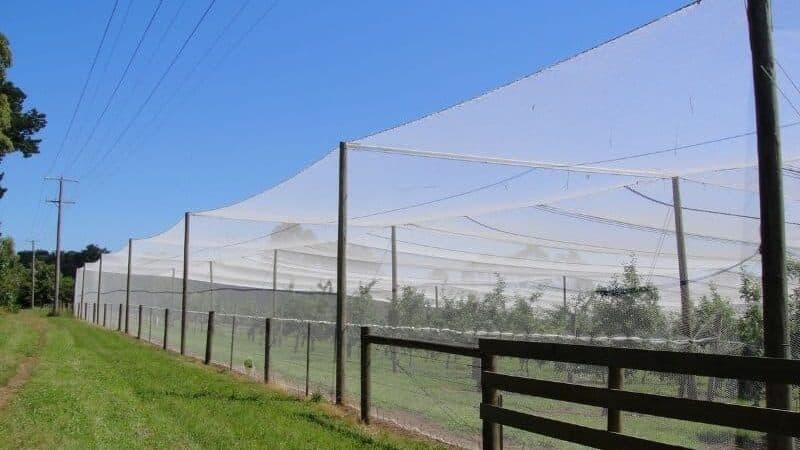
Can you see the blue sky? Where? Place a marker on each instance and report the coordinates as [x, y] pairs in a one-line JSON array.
[[260, 105]]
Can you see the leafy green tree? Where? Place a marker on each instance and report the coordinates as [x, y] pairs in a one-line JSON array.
[[12, 275], [17, 126], [751, 332], [627, 307], [714, 318]]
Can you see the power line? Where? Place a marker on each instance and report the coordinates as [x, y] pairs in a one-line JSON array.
[[118, 84], [154, 89], [85, 85]]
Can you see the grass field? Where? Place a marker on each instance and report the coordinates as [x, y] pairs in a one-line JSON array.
[[429, 393], [92, 388]]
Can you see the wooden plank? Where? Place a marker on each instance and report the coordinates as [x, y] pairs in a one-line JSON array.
[[720, 366], [714, 413], [425, 345], [570, 432]]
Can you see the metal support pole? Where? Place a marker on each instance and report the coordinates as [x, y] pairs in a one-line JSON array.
[[185, 289], [365, 365], [614, 382], [770, 182], [491, 430], [128, 285], [119, 317], [267, 329], [105, 309], [341, 273], [687, 381], [139, 324], [209, 337], [99, 285], [166, 328], [308, 354]]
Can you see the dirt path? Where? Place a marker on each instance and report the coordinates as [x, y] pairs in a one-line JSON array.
[[25, 368]]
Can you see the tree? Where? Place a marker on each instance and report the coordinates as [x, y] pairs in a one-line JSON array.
[[715, 319], [17, 126], [12, 275], [751, 332], [627, 307]]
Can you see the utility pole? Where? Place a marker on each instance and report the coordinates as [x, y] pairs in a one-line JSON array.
[[33, 273], [60, 202], [770, 189]]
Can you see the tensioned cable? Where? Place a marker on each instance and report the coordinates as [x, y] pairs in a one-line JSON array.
[[153, 90], [778, 87], [661, 239], [702, 210], [117, 86], [636, 226]]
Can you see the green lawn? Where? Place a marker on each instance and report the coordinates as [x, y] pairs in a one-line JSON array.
[[18, 340], [97, 389]]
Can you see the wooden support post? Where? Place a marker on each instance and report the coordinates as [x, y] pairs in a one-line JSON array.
[[614, 382], [770, 183], [209, 337], [341, 274], [82, 306], [99, 286], [365, 366], [491, 430], [185, 288], [128, 285], [211, 306], [308, 355], [139, 324], [105, 309], [687, 381], [233, 337], [267, 327], [166, 328], [119, 317]]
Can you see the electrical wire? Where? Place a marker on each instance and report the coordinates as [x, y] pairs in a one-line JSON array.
[[152, 91]]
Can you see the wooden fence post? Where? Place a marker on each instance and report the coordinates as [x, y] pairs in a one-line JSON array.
[[491, 435], [614, 382], [139, 324], [166, 328], [365, 364], [233, 336], [267, 327], [209, 337], [308, 354]]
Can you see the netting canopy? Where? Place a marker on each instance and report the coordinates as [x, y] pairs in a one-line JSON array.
[[556, 208], [548, 186]]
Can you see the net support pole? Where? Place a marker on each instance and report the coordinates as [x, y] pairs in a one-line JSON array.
[[770, 183], [687, 381], [341, 273], [564, 290], [83, 290], [436, 297], [139, 324], [128, 285], [267, 332], [394, 265], [274, 282], [211, 286], [209, 337], [99, 286], [166, 328], [365, 381], [185, 287]]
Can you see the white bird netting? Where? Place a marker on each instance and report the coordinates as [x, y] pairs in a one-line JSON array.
[[543, 209]]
